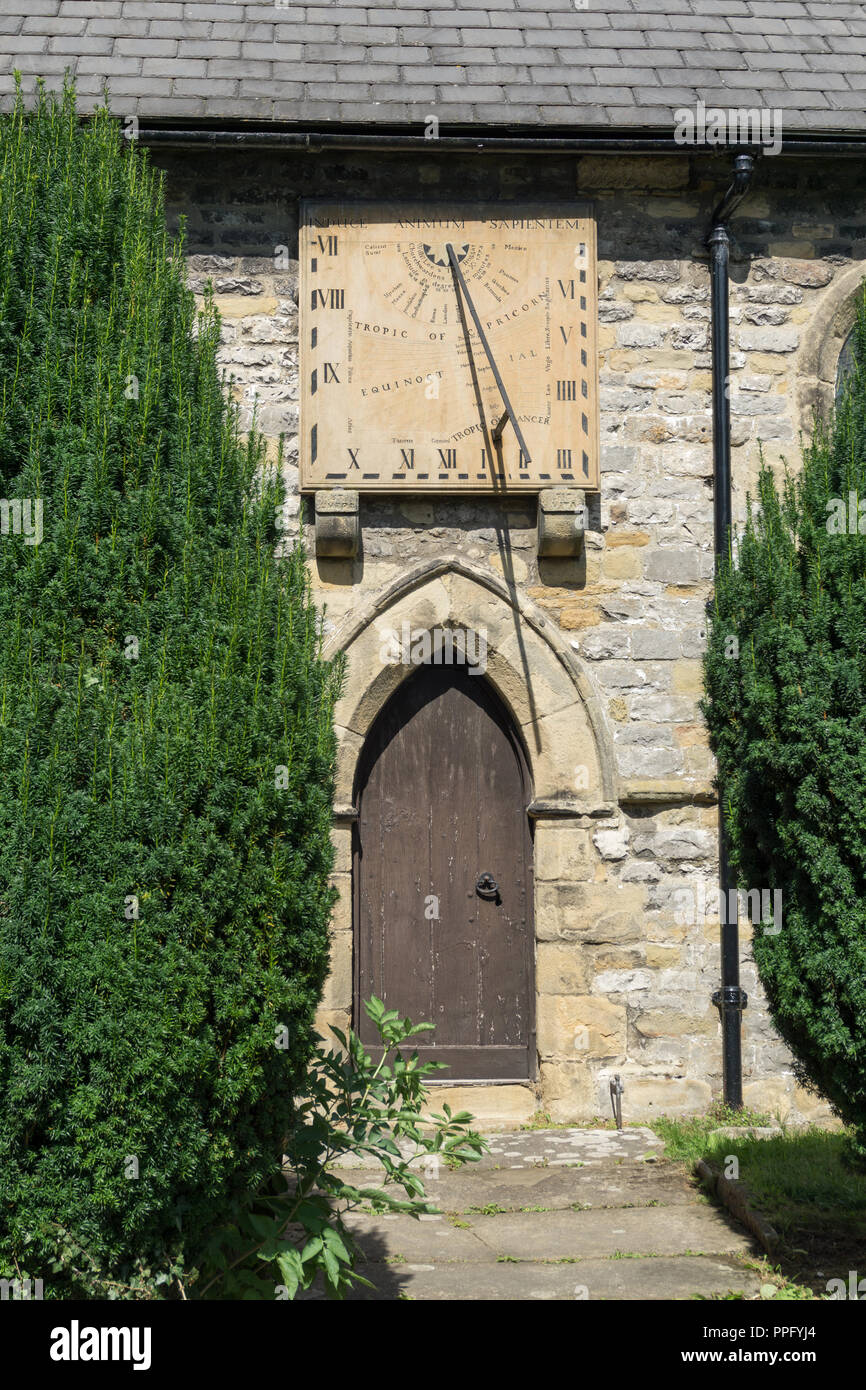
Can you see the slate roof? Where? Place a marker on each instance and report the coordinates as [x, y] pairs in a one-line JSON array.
[[511, 63]]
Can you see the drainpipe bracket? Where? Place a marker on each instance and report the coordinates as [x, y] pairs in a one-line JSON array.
[[730, 997]]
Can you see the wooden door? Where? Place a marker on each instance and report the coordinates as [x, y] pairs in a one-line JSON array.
[[442, 797]]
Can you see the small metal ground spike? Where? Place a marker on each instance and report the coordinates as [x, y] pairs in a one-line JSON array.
[[616, 1090]]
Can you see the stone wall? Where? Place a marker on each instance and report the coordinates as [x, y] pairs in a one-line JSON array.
[[624, 978]]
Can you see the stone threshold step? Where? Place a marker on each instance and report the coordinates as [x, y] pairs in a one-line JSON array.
[[525, 1148], [629, 1184]]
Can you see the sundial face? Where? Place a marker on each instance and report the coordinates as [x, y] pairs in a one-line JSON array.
[[448, 347]]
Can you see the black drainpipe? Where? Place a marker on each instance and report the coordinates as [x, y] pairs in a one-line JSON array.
[[730, 999]]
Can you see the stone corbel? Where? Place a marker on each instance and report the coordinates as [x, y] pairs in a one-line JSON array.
[[561, 521], [338, 524]]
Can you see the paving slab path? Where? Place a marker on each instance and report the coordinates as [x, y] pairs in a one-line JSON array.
[[557, 1214]]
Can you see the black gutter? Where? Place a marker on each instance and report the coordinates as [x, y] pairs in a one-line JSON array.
[[731, 999], [316, 142]]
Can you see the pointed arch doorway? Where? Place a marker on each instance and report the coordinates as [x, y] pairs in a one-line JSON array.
[[442, 794]]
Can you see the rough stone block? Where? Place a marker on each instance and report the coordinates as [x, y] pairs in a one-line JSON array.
[[235, 306], [646, 1096], [613, 927], [672, 1023], [568, 1092], [341, 839], [769, 339], [341, 915], [624, 562], [337, 993], [655, 644], [612, 842], [689, 678], [561, 968], [327, 1018], [562, 853], [673, 566], [582, 1025]]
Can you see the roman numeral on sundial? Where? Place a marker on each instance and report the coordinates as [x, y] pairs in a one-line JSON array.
[[329, 375], [328, 299]]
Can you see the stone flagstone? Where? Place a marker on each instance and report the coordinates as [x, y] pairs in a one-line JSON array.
[[555, 1215]]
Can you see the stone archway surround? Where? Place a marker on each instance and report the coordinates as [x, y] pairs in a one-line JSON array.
[[823, 340], [558, 716]]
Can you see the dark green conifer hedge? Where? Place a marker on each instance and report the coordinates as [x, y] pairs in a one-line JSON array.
[[164, 892], [786, 707]]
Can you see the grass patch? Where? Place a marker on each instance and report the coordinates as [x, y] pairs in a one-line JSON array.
[[776, 1286], [800, 1180], [688, 1139]]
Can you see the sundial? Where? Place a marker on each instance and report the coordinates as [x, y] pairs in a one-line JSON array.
[[448, 347]]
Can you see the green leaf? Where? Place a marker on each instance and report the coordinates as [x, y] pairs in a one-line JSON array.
[[291, 1270], [334, 1242], [264, 1227], [332, 1268]]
